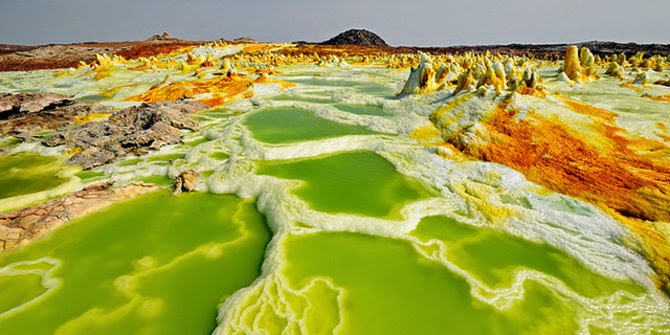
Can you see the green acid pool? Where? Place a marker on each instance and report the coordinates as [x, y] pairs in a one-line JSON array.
[[158, 264], [351, 283], [359, 182]]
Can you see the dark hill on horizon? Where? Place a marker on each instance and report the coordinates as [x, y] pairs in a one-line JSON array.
[[359, 37]]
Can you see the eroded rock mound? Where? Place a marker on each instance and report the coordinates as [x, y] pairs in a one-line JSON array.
[[185, 181], [161, 37], [131, 131], [244, 40], [357, 37]]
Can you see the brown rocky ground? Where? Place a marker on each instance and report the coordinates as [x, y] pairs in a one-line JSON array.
[[26, 58]]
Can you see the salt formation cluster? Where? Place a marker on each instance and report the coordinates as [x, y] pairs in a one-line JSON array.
[[468, 72], [422, 79], [578, 65]]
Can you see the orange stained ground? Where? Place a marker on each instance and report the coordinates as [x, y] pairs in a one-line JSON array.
[[222, 90], [626, 180], [663, 98], [152, 49], [586, 109]]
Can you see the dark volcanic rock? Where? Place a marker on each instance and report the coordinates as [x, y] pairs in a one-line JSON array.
[[23, 114], [31, 102], [131, 131], [9, 48], [357, 37]]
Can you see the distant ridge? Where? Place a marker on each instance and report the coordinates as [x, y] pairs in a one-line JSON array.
[[551, 51], [360, 37]]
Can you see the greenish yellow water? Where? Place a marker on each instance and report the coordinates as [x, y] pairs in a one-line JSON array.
[[390, 289], [89, 175], [159, 264], [26, 173], [9, 142], [494, 257], [359, 182], [288, 124], [219, 155], [157, 180], [129, 162]]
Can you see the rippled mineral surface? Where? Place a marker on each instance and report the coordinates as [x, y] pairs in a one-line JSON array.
[[502, 196]]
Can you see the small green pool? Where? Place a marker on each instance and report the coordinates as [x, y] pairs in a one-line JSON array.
[[358, 182], [288, 124]]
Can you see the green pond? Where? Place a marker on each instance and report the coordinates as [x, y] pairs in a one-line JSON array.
[[359, 182], [158, 264], [288, 124], [362, 284]]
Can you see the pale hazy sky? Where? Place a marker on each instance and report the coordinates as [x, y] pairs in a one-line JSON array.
[[399, 22]]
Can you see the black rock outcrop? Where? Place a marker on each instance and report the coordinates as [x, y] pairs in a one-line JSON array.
[[360, 37]]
